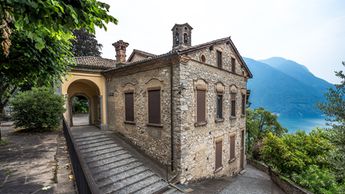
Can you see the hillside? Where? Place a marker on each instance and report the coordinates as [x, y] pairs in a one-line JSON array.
[[280, 87], [299, 72]]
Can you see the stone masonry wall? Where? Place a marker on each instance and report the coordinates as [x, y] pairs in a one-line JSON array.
[[198, 142], [155, 141]]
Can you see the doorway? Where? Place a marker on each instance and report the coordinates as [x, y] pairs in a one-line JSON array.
[[80, 110]]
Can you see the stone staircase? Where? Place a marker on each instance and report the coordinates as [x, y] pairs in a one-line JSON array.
[[115, 168]]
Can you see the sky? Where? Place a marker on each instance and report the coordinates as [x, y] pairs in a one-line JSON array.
[[310, 32]]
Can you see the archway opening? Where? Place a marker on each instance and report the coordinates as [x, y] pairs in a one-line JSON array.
[[84, 103], [80, 110]]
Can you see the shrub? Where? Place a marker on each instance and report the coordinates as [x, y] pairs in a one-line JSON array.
[[295, 152], [318, 180], [37, 109]]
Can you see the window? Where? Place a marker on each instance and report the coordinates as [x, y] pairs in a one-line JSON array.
[[219, 106], [203, 58], [218, 161], [129, 107], [243, 104], [233, 105], [177, 38], [154, 105], [219, 59], [232, 147], [233, 65], [201, 106], [185, 38]]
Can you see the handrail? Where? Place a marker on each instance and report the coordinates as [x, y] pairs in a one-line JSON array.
[[85, 181]]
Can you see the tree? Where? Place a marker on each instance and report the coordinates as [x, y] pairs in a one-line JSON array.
[[36, 39], [37, 109], [85, 44], [259, 123], [334, 108], [304, 158]]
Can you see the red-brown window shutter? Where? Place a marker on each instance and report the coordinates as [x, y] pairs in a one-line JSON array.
[[201, 106], [233, 105], [219, 154], [154, 105], [129, 106], [219, 59], [232, 147]]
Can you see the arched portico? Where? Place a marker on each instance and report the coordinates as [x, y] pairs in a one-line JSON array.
[[91, 86]]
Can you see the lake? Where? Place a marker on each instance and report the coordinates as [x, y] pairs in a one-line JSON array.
[[305, 124]]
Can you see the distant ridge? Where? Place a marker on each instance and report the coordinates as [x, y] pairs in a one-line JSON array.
[[286, 88]]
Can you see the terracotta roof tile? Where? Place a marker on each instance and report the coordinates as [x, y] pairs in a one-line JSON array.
[[94, 62]]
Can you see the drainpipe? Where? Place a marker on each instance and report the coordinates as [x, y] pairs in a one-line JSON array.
[[171, 117]]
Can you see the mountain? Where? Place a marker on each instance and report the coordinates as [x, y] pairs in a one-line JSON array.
[[299, 72], [279, 86]]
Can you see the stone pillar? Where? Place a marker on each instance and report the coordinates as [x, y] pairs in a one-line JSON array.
[[120, 48]]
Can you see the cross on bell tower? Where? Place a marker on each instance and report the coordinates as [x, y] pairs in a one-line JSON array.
[[182, 35]]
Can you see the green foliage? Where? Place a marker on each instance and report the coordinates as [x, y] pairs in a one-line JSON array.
[[3, 142], [334, 108], [36, 39], [37, 109], [80, 105], [292, 153], [318, 180], [259, 123], [305, 158], [85, 44]]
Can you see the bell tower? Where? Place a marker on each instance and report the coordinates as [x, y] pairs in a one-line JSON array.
[[182, 36]]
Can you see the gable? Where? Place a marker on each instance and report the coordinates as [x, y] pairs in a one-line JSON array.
[[207, 53], [138, 55]]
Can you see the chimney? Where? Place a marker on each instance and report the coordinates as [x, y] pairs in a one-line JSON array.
[[120, 48]]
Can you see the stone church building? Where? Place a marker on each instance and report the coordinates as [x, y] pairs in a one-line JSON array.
[[184, 108]]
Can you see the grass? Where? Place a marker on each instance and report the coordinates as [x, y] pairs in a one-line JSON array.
[[3, 142]]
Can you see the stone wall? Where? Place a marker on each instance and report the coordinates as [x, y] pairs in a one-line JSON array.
[[197, 160], [155, 141]]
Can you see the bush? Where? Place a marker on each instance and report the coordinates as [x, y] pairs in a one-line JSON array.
[[318, 180], [37, 109], [304, 158], [293, 153]]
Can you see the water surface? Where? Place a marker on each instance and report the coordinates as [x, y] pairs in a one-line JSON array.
[[305, 124]]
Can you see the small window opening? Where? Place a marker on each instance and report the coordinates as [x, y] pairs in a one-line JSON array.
[[203, 58]]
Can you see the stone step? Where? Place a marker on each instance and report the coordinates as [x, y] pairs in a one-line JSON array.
[[106, 155], [116, 177], [119, 169], [100, 169], [92, 145], [79, 138], [103, 162], [151, 182], [172, 191], [100, 148], [130, 183], [98, 153], [153, 188], [86, 142]]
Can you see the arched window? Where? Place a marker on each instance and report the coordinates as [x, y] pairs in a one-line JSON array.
[[203, 58], [185, 38], [177, 38]]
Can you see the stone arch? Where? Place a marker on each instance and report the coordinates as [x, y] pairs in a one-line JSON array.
[[219, 87], [200, 84], [92, 86], [91, 91], [154, 83], [233, 89]]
